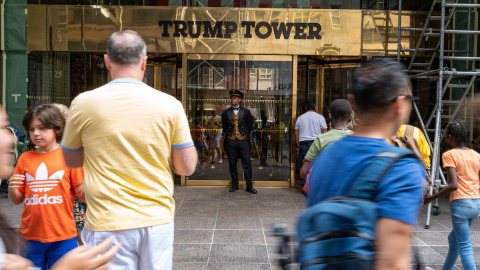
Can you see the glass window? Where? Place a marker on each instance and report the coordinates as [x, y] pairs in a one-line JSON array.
[[267, 86]]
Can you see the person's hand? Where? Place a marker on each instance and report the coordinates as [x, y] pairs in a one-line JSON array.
[[16, 181], [85, 258], [298, 151], [15, 262], [427, 199]]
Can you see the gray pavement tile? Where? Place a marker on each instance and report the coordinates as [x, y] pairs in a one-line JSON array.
[[233, 253], [240, 194], [234, 222], [238, 266], [197, 212], [192, 223], [429, 256], [238, 212], [246, 237], [189, 203], [229, 204], [433, 238], [193, 236], [190, 266], [268, 222], [190, 253], [276, 203], [275, 213]]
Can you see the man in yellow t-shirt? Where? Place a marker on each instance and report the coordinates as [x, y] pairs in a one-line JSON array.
[[129, 137]]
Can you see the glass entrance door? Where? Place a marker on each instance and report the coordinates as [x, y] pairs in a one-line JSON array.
[[266, 82]]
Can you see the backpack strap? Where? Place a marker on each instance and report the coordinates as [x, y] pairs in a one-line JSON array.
[[365, 187], [408, 131]]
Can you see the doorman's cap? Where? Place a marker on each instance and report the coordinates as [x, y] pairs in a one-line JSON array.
[[236, 93]]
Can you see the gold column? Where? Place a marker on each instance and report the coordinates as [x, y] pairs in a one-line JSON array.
[[293, 149], [321, 87], [184, 95]]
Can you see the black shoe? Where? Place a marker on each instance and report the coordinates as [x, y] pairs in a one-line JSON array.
[[252, 190], [233, 189]]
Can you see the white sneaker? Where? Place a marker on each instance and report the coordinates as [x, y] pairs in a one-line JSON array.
[[220, 161], [251, 158]]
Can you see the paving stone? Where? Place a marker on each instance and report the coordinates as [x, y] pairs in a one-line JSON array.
[[190, 253], [237, 253], [193, 236], [247, 237]]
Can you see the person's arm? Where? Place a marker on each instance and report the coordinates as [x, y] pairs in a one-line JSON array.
[[15, 195], [392, 244], [16, 262], [79, 192], [86, 258], [324, 130], [184, 160], [452, 186], [73, 159], [304, 169], [297, 136]]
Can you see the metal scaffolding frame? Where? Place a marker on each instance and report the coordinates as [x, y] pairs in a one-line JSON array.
[[443, 76]]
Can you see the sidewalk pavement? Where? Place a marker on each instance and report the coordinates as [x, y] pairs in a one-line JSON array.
[[216, 229]]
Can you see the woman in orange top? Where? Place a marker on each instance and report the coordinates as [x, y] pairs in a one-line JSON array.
[[463, 167]]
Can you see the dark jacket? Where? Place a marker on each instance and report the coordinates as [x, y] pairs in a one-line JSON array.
[[245, 121]]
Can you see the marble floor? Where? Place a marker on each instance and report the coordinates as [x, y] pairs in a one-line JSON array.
[[216, 229]]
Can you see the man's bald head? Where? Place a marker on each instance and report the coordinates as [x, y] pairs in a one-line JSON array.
[[126, 48]]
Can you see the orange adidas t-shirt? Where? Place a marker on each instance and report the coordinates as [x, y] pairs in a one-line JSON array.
[[467, 167], [49, 196]]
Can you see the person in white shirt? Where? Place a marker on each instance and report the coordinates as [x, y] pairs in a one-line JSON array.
[[307, 128]]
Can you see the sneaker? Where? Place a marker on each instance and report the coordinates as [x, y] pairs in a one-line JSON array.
[[251, 159], [220, 161]]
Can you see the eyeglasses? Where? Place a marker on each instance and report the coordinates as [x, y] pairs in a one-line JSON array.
[[407, 97]]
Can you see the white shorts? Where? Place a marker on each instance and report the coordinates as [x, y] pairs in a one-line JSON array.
[[216, 140], [142, 248]]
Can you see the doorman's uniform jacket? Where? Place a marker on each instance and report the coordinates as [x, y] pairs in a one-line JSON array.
[[245, 122]]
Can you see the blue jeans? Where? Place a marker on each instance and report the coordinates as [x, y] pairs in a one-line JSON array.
[[464, 213]]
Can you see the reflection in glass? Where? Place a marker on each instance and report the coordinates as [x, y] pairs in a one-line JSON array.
[[208, 84], [269, 98]]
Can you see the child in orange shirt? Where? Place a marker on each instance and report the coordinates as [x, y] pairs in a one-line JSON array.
[[47, 187], [463, 168]]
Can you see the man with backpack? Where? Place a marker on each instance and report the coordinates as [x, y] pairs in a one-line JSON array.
[[364, 194]]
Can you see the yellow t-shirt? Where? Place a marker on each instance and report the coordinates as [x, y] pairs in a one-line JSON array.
[[127, 130], [422, 142], [467, 167]]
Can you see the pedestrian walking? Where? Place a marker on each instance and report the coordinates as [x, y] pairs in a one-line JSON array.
[[463, 168], [307, 128], [382, 102], [130, 138]]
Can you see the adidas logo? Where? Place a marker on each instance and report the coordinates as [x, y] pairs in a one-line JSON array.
[[35, 200], [41, 182]]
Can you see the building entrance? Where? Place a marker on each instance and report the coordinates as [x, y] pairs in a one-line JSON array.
[[267, 84]]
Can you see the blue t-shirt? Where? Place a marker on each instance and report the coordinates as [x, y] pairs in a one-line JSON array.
[[400, 193]]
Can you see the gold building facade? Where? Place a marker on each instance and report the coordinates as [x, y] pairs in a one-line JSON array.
[[278, 57]]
